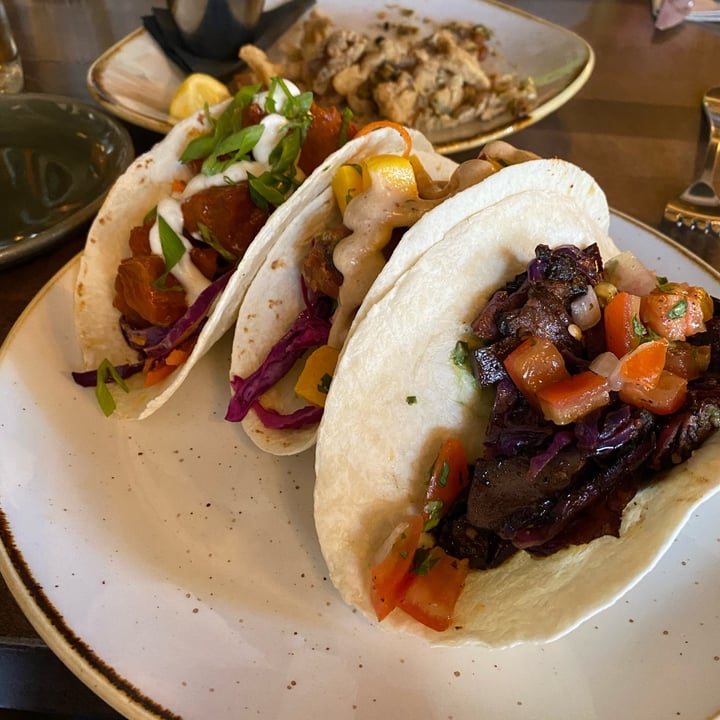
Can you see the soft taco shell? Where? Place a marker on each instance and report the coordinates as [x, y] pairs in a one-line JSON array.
[[274, 299], [137, 191], [374, 447], [553, 174]]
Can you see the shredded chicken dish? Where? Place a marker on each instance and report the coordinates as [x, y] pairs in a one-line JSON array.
[[416, 72]]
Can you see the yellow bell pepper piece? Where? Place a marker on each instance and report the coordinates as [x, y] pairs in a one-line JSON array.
[[394, 172], [314, 381], [347, 183]]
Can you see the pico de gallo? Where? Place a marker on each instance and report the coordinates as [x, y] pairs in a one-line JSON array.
[[604, 376], [257, 152]]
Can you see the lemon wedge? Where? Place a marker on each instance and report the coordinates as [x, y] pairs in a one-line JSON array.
[[194, 91]]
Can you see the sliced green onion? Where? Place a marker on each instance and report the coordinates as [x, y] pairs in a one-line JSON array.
[[209, 239], [172, 246], [105, 374]]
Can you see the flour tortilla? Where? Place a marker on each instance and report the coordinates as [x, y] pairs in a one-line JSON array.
[[374, 447], [138, 190], [274, 300]]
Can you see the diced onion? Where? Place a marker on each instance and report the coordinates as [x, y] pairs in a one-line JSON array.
[[628, 274], [608, 366], [585, 310]]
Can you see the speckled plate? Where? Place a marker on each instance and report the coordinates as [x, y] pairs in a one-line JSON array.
[[136, 81], [176, 571], [58, 159]]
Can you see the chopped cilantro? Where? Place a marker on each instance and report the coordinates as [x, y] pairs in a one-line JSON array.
[[411, 399], [433, 510], [444, 474], [639, 330], [423, 563], [459, 354], [347, 116], [324, 384], [678, 310]]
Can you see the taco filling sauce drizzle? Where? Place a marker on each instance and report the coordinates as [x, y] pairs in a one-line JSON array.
[[603, 378], [256, 154]]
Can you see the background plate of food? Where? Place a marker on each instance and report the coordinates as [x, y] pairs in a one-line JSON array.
[[464, 71]]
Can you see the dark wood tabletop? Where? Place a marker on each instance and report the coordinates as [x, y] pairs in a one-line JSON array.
[[636, 126]]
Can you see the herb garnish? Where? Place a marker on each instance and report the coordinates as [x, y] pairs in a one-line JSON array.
[[459, 354], [678, 310], [324, 384], [226, 124], [423, 563], [172, 248], [106, 373], [433, 509], [347, 116], [274, 186], [209, 238]]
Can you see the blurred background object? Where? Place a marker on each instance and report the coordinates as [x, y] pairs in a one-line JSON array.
[[11, 72], [216, 28]]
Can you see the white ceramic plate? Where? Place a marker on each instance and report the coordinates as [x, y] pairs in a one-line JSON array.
[[136, 81], [176, 571]]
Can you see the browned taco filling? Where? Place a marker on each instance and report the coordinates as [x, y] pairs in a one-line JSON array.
[[256, 154], [603, 379]]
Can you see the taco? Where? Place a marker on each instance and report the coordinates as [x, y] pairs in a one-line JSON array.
[[554, 484], [305, 297], [181, 234]]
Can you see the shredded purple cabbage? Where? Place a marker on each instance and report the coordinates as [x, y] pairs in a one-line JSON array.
[[537, 462], [309, 415], [157, 342], [88, 378], [310, 330], [190, 322]]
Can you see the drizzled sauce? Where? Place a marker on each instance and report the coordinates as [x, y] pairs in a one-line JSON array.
[[372, 216]]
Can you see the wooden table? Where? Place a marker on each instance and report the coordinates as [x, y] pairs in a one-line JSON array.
[[636, 126]]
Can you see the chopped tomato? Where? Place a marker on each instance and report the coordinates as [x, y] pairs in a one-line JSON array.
[[676, 311], [448, 478], [570, 399], [324, 136], [644, 364], [391, 577], [664, 399], [623, 330], [433, 592], [686, 360], [534, 363]]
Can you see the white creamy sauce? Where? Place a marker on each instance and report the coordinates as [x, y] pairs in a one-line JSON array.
[[274, 128], [278, 96], [187, 274], [235, 173], [372, 216]]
